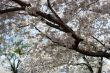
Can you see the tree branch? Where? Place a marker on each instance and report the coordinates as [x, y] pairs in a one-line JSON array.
[[21, 3], [90, 53], [49, 5], [54, 26], [56, 42], [98, 41], [12, 10], [49, 17], [64, 27], [85, 65], [101, 64], [88, 65]]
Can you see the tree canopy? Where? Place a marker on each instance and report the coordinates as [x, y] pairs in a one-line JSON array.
[[54, 30]]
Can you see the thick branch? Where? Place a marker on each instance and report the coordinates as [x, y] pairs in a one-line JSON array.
[[63, 25], [53, 25], [21, 3], [12, 10], [49, 17], [89, 53]]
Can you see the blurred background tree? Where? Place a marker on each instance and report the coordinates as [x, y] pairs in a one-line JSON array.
[[56, 36]]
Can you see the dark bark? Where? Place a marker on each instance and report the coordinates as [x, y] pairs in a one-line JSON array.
[[21, 3]]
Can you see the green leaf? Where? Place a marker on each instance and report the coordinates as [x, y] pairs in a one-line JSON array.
[[19, 51], [18, 43], [25, 46]]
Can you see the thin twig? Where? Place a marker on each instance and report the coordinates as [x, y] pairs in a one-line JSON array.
[[49, 5], [59, 43], [98, 41], [101, 64], [88, 65]]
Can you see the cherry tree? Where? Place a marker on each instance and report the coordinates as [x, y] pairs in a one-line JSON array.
[[77, 28]]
